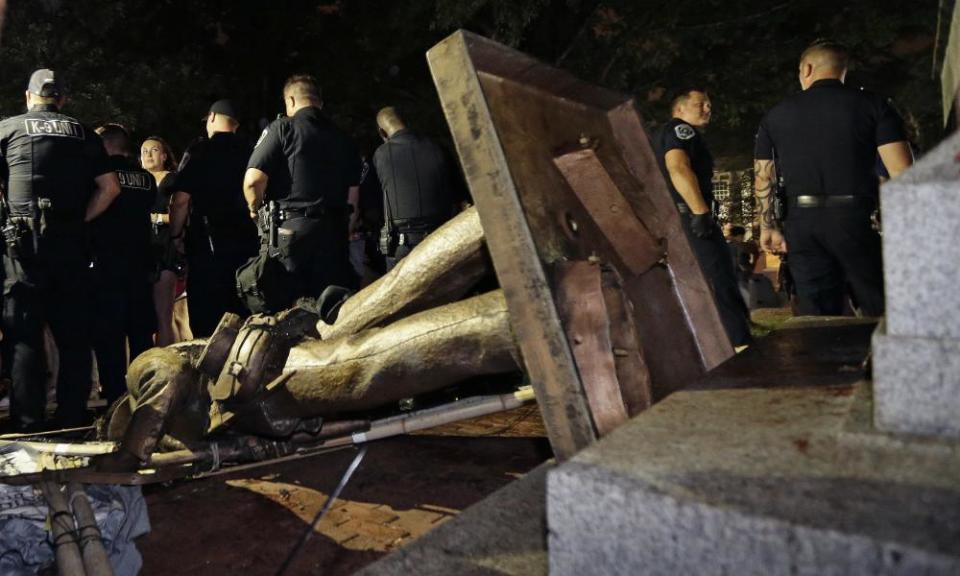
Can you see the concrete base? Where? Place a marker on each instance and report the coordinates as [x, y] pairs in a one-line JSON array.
[[503, 535], [767, 466], [915, 384]]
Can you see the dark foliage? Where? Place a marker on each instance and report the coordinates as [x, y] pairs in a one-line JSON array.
[[155, 65]]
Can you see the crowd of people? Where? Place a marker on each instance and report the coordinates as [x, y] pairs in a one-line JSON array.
[[99, 245], [103, 248]]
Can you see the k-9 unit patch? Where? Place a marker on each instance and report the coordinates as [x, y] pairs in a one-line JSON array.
[[684, 131], [46, 127]]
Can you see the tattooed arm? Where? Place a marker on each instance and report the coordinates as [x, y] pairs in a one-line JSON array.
[[771, 238]]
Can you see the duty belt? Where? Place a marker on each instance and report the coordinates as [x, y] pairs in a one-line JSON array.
[[411, 237], [832, 201], [313, 212]]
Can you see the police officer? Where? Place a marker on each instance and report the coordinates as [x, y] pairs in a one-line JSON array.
[[418, 185], [123, 266], [219, 236], [822, 144], [57, 178], [311, 171], [687, 166]]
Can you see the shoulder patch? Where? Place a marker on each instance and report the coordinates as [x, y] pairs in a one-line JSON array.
[[684, 131], [262, 136]]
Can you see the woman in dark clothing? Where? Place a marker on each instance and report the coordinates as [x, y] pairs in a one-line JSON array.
[[157, 157]]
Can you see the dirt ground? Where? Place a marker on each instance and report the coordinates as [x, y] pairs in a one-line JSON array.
[[250, 522]]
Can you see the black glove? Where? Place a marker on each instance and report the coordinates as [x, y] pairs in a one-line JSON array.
[[702, 225]]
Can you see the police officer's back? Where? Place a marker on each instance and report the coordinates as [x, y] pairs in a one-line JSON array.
[[123, 266], [311, 171], [208, 208], [57, 177], [824, 142], [418, 181]]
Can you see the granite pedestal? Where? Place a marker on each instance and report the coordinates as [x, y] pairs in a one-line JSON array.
[[917, 350], [769, 465]]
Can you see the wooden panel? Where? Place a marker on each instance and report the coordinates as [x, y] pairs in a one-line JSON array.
[[561, 171]]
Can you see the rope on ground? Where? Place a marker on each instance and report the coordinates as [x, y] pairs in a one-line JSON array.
[[323, 511]]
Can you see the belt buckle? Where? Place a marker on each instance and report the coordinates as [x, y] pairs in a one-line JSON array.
[[402, 239]]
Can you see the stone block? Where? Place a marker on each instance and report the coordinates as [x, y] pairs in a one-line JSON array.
[[916, 384], [740, 475], [921, 213]]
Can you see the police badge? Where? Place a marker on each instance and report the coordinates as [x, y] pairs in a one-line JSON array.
[[684, 131]]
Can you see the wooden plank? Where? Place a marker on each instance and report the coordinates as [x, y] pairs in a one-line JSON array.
[[546, 355], [607, 206], [580, 301]]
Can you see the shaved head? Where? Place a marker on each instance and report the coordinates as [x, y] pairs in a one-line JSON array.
[[823, 60], [826, 55], [389, 121], [303, 87]]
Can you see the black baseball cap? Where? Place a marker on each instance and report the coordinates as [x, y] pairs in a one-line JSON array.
[[224, 107], [43, 82]]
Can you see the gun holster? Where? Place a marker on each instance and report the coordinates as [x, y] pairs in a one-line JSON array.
[[389, 240]]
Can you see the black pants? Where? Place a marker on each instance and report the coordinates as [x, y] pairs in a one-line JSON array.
[[123, 314], [315, 251], [714, 257], [51, 288], [833, 250], [212, 287]]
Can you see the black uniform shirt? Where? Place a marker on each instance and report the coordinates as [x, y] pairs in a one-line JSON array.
[[211, 172], [50, 155], [121, 235], [310, 162], [417, 178], [825, 139], [678, 135]]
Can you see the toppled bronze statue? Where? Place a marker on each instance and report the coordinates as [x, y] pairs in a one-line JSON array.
[[275, 376]]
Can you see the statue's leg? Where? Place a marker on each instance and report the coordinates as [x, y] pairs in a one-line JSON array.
[[441, 269], [421, 353]]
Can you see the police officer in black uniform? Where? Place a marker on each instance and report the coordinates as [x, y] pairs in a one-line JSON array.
[[311, 171], [419, 190], [208, 207], [123, 266], [57, 177], [687, 166], [822, 145]]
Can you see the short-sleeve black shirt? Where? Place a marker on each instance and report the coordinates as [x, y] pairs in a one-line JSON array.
[[121, 235], [678, 135], [309, 161], [825, 139], [211, 172], [50, 155], [417, 178]]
